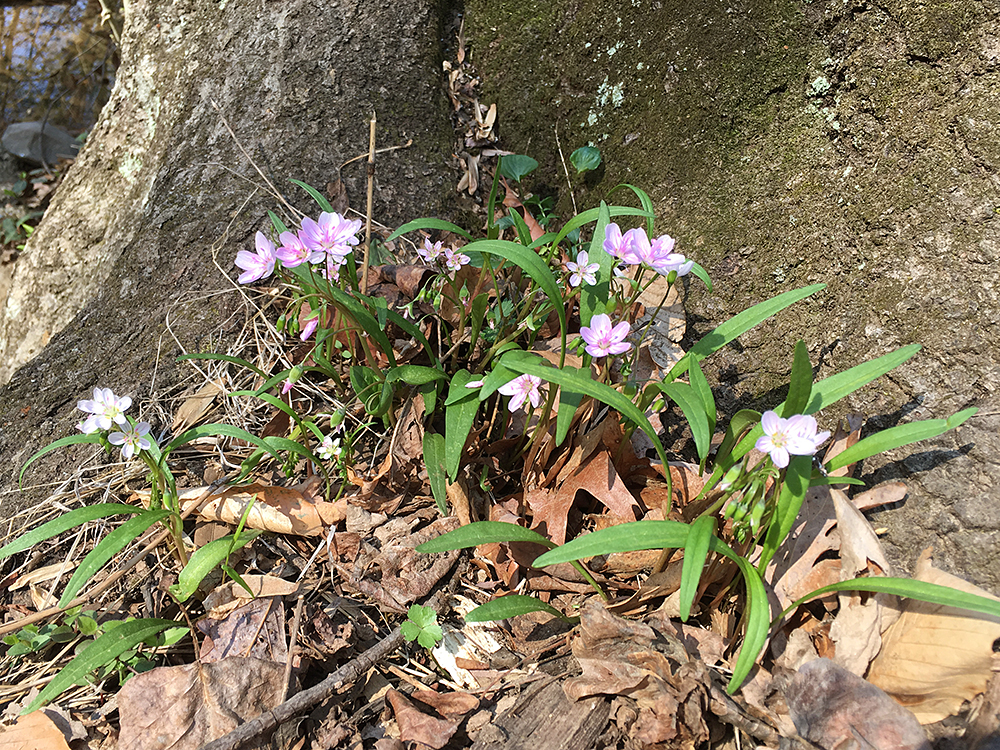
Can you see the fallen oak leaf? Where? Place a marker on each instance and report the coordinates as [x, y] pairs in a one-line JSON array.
[[417, 726], [34, 731]]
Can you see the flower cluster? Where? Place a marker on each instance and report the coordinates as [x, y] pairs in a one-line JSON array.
[[326, 242], [783, 438], [447, 258], [106, 410], [634, 249]]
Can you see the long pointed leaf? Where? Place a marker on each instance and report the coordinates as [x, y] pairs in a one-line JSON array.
[[102, 650], [434, 451], [594, 297], [63, 523], [206, 559], [94, 438], [757, 617], [701, 388], [585, 217], [695, 555], [626, 537], [800, 383], [793, 493], [315, 194], [483, 532], [108, 547], [444, 226], [569, 402], [694, 412], [511, 605], [896, 437], [459, 416], [225, 358]]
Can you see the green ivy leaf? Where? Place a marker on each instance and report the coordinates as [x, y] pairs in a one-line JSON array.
[[516, 166], [421, 626], [585, 158]]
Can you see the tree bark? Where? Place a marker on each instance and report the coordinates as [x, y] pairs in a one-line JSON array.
[[162, 197]]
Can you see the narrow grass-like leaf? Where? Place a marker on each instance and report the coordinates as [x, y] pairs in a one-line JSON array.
[[693, 410], [276, 222], [459, 416], [594, 297], [756, 616], [444, 226], [512, 605], [800, 382], [591, 214], [225, 358], [434, 452], [569, 402], [742, 420], [702, 274], [818, 480], [63, 523], [830, 390], [521, 227], [921, 590], [102, 650], [701, 388], [743, 322], [277, 403], [695, 555], [93, 438], [210, 430], [484, 532], [533, 265], [898, 436], [793, 493], [581, 382], [414, 374], [315, 194], [205, 560], [108, 547], [396, 319], [644, 200], [626, 537], [498, 378], [477, 315]]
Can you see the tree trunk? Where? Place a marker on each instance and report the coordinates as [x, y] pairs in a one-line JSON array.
[[133, 263], [791, 142]]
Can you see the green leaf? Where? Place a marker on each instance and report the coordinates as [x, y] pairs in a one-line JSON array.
[[644, 200], [585, 159], [63, 523], [693, 409], [108, 547], [569, 402], [459, 416], [626, 537], [434, 456], [444, 226], [743, 322], [830, 390], [695, 555], [315, 194], [594, 298], [483, 532], [701, 388], [94, 438], [793, 493], [922, 591], [225, 358], [277, 223], [581, 382], [533, 265], [103, 650], [742, 420], [205, 560], [516, 166], [512, 605], [756, 615], [476, 317], [414, 374], [421, 625], [896, 437], [591, 214], [800, 383]]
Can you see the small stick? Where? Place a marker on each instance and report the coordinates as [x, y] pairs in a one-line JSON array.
[[292, 645], [368, 215], [302, 702], [569, 183]]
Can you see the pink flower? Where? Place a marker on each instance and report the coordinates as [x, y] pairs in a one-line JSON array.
[[309, 328], [429, 252], [104, 409], [257, 265], [581, 270], [613, 240], [603, 339], [795, 436], [332, 234], [132, 440], [453, 261], [293, 251], [522, 388]]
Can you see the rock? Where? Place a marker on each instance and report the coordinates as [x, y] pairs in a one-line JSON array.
[[40, 142]]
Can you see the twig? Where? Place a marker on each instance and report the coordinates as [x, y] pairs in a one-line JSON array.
[[569, 183], [292, 641], [305, 700], [359, 157], [368, 214]]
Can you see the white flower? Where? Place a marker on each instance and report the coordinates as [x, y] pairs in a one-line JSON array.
[[582, 271], [795, 436], [104, 409], [523, 388], [132, 440], [330, 449]]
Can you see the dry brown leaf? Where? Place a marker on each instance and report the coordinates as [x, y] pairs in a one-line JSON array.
[[195, 407], [259, 585], [43, 574], [183, 708], [284, 510], [34, 731], [836, 709], [257, 629], [935, 657], [417, 726]]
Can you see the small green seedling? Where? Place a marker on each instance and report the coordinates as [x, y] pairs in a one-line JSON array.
[[421, 626], [585, 159]]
